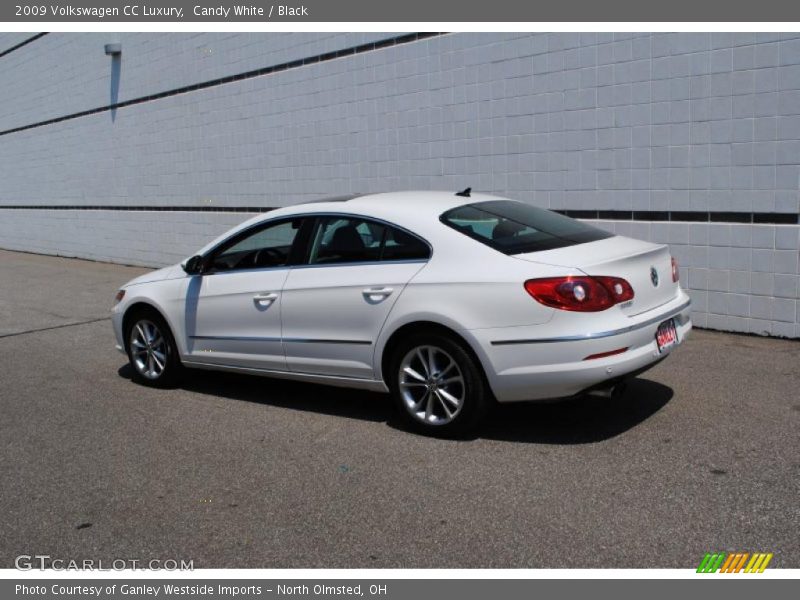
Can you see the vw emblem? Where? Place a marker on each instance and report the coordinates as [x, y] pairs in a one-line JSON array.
[[654, 276]]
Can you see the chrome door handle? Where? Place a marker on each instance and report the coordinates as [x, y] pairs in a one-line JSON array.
[[265, 298], [377, 292]]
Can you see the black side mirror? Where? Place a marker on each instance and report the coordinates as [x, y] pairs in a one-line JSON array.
[[194, 265]]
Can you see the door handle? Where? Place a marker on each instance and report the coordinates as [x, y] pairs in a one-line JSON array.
[[265, 298], [376, 293]]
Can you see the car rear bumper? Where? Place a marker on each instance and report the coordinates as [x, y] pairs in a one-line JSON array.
[[534, 367]]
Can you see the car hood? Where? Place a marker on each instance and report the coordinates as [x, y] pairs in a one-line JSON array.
[[171, 272]]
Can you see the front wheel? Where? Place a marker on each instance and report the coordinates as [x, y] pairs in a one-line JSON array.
[[438, 386], [151, 351]]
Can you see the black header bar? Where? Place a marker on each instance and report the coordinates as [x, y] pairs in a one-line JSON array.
[[462, 11]]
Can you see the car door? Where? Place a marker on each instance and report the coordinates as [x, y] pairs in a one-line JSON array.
[[233, 308], [336, 304]]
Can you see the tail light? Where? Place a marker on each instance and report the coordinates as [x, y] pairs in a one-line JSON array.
[[675, 273], [582, 294]]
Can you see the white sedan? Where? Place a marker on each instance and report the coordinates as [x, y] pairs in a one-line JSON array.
[[449, 302]]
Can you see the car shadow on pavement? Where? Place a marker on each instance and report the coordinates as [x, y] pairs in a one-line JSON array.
[[295, 395], [581, 420]]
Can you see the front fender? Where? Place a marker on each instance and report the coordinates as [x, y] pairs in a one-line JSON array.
[[164, 296]]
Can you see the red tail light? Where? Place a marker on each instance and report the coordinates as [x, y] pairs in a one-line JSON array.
[[620, 289], [675, 273], [580, 293]]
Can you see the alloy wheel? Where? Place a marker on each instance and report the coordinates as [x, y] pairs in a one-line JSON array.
[[432, 385], [148, 349]]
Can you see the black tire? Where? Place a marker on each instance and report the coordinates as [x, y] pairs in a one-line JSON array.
[[140, 325], [474, 393]]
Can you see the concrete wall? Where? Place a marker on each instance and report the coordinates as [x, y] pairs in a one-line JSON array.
[[684, 126], [8, 40]]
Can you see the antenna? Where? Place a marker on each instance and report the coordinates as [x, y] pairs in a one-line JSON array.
[[465, 193]]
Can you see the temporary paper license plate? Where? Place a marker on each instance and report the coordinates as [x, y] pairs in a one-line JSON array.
[[667, 335]]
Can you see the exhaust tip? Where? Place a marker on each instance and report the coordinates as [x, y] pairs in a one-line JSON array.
[[611, 392]]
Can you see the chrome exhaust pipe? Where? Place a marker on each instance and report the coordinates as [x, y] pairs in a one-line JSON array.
[[611, 392]]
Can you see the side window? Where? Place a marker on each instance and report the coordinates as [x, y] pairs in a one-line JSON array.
[[352, 239], [269, 246], [399, 245], [346, 240]]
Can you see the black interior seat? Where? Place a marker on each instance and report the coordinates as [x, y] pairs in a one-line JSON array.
[[345, 244]]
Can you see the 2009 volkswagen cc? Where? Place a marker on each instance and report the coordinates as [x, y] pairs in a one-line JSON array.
[[446, 301]]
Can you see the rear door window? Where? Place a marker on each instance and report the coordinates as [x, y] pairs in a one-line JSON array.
[[348, 239]]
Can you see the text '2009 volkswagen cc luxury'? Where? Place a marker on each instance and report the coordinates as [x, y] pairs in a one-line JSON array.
[[447, 301]]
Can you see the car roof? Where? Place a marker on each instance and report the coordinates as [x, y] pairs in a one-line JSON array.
[[430, 201], [417, 211], [405, 206]]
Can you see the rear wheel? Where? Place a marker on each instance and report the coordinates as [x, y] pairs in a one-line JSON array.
[[151, 349], [438, 386]]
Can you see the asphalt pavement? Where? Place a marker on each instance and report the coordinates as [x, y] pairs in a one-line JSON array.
[[701, 455]]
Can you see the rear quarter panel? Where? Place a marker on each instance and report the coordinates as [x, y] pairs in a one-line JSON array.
[[467, 289]]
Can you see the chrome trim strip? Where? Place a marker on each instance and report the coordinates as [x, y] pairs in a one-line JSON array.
[[600, 334], [323, 341], [399, 261], [246, 338], [235, 338], [411, 261], [298, 375]]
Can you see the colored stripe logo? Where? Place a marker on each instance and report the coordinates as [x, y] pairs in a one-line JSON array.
[[734, 562]]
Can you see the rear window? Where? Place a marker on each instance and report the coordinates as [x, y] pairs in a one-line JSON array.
[[515, 227]]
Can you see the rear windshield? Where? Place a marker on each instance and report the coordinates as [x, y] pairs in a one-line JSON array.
[[515, 227]]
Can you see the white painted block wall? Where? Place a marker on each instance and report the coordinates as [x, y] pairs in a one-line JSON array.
[[636, 122]]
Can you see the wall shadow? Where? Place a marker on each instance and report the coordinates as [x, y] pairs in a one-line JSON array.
[[573, 421], [116, 76]]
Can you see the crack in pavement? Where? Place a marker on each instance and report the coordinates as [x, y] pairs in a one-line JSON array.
[[16, 333]]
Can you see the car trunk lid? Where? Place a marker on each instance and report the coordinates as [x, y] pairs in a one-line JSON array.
[[646, 266]]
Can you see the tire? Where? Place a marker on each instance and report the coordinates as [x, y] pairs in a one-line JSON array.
[[447, 399], [151, 350]]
